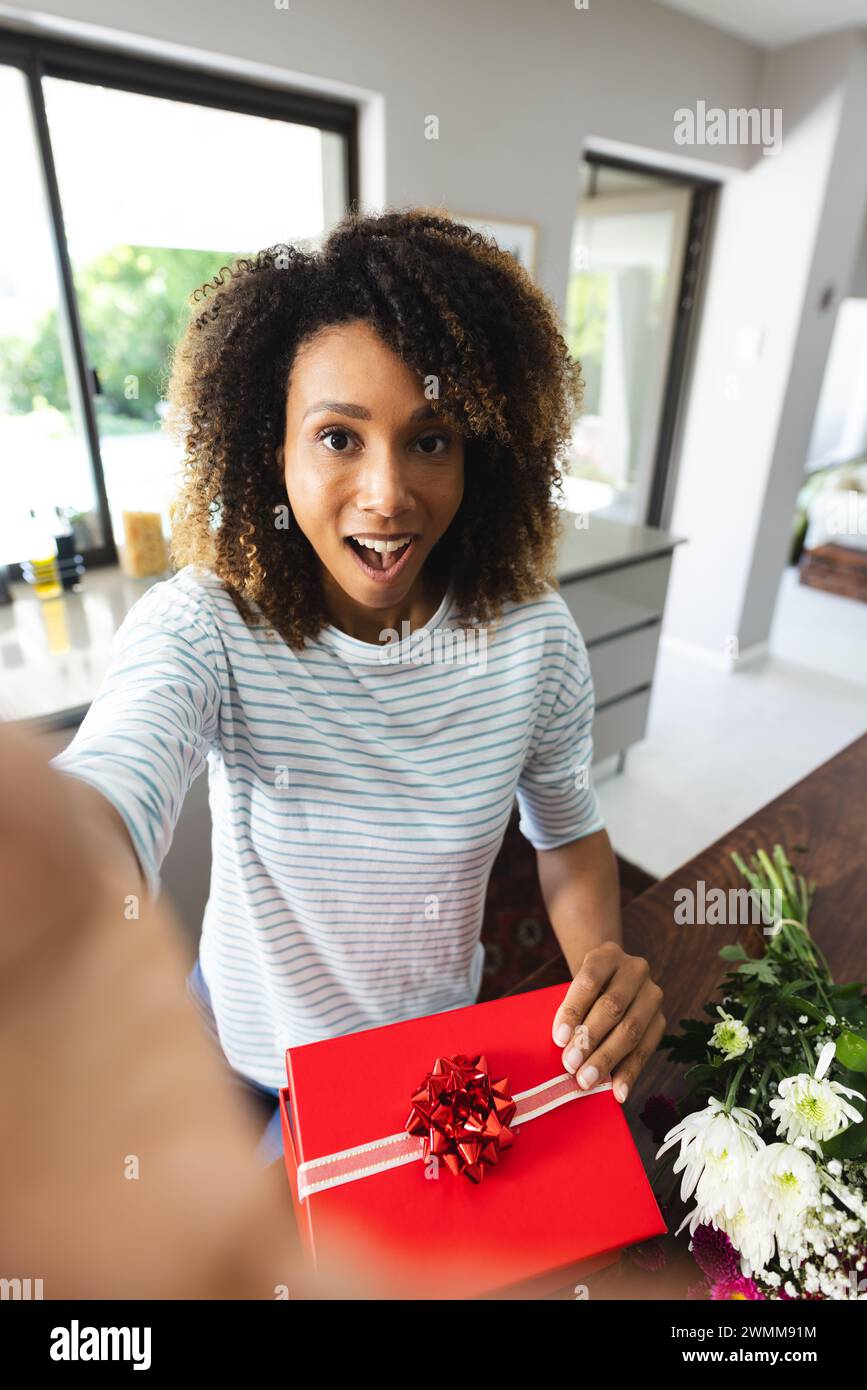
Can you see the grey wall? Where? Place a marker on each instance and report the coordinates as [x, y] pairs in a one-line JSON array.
[[517, 87], [858, 287]]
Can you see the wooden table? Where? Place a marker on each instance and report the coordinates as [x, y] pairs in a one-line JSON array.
[[826, 814]]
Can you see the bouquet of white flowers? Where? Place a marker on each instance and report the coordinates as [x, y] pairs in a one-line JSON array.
[[776, 1158]]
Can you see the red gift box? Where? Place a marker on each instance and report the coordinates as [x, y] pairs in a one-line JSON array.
[[563, 1200]]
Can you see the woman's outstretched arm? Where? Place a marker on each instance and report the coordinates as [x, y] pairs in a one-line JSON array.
[[126, 1162]]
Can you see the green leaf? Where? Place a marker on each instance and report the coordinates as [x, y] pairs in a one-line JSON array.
[[734, 953], [795, 985], [854, 1081], [762, 970], [850, 991], [712, 1008], [798, 1002], [680, 1051], [851, 1051], [850, 1144], [704, 1071]]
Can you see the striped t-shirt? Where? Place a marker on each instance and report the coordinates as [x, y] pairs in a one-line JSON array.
[[359, 794]]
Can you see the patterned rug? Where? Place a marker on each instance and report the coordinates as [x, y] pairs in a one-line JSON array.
[[516, 932]]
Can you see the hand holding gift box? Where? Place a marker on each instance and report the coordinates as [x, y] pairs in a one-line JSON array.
[[611, 1020], [370, 1125]]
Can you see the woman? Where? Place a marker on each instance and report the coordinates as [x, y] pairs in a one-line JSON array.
[[365, 645]]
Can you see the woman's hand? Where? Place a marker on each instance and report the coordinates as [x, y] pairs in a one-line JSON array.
[[610, 1022]]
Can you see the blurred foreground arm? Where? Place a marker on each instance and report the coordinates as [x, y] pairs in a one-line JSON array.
[[126, 1163]]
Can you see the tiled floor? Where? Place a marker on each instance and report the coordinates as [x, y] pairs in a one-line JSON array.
[[719, 746], [820, 630]]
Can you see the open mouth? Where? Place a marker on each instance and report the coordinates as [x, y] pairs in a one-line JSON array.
[[381, 565]]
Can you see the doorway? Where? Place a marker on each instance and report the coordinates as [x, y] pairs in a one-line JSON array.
[[638, 248]]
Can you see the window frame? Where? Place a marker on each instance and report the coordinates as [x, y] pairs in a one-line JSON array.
[[38, 57]]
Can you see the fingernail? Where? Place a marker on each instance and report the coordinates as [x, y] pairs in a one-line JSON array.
[[562, 1034], [621, 1090], [588, 1077], [573, 1059]]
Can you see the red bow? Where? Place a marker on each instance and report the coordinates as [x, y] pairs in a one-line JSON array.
[[462, 1114]]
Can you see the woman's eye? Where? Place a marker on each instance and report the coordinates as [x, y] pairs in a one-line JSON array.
[[435, 439], [335, 433]]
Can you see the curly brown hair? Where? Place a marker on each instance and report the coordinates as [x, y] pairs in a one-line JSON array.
[[452, 305]]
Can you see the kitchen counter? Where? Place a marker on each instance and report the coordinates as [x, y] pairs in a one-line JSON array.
[[607, 545], [54, 652]]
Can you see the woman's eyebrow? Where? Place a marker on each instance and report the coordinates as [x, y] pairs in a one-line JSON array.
[[360, 412]]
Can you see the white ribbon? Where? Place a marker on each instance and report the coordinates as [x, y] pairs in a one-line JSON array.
[[348, 1165]]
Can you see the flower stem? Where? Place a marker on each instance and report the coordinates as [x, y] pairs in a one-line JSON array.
[[733, 1087]]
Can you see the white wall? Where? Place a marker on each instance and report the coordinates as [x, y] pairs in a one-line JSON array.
[[788, 229], [840, 427]]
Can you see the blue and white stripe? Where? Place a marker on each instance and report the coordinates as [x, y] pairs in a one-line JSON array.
[[357, 804]]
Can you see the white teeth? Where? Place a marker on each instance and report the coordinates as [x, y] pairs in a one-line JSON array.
[[383, 547]]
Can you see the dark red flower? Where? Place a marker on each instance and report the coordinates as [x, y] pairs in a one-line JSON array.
[[715, 1255], [660, 1114]]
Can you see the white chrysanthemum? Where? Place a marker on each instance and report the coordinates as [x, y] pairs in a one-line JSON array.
[[788, 1185], [715, 1152], [731, 1036], [811, 1108], [751, 1234]]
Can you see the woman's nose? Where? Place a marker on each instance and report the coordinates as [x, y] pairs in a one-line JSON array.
[[383, 483]]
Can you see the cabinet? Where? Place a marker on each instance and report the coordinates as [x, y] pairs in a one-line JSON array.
[[614, 579]]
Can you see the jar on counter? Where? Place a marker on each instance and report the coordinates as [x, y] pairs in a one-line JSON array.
[[140, 524], [144, 551], [40, 568]]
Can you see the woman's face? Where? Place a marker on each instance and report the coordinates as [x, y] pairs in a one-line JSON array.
[[365, 459]]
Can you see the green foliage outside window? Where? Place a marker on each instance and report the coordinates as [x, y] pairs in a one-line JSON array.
[[132, 302]]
